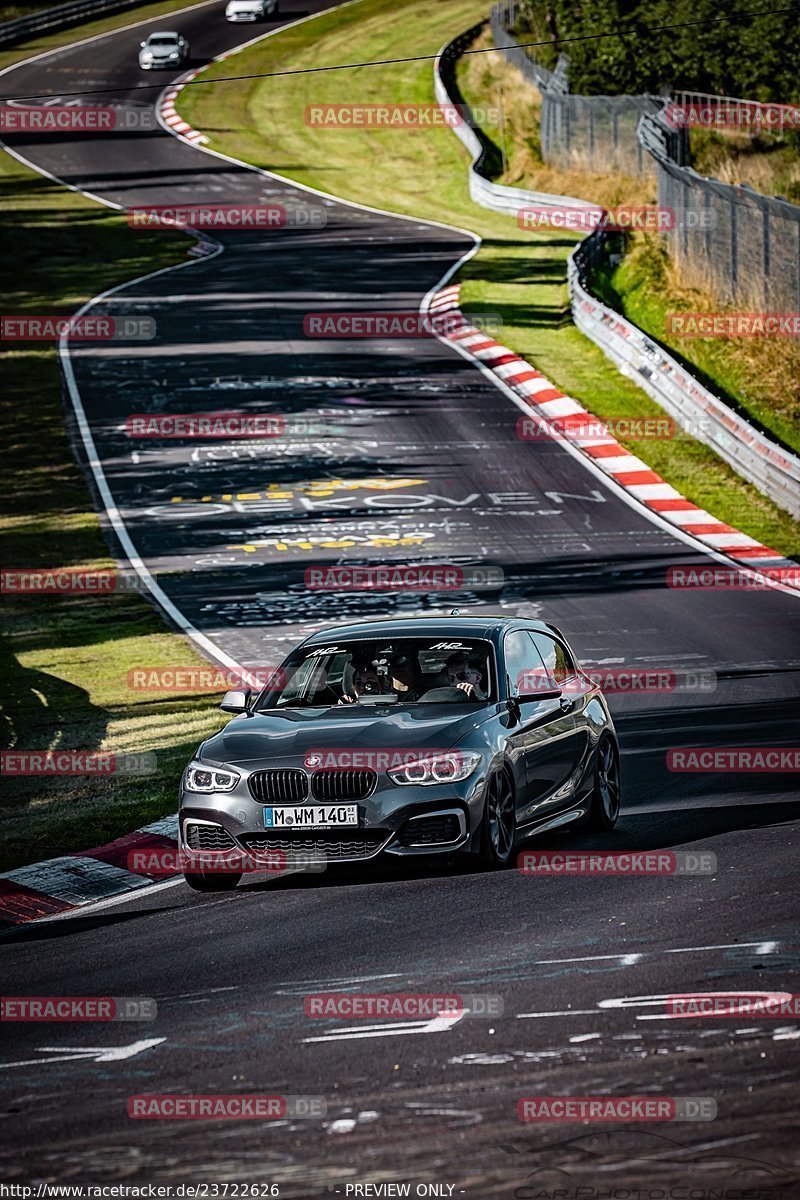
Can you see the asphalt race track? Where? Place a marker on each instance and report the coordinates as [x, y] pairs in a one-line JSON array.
[[400, 450]]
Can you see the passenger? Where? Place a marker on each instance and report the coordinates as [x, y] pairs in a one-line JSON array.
[[406, 676], [366, 681]]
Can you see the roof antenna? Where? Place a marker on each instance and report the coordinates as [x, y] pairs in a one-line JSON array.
[[455, 612]]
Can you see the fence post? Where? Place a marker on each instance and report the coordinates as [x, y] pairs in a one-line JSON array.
[[734, 250]]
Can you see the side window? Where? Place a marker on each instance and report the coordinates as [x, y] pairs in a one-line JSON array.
[[558, 662], [522, 662]]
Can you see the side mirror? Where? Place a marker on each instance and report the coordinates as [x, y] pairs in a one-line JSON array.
[[142, 44], [512, 700], [236, 702], [535, 684]]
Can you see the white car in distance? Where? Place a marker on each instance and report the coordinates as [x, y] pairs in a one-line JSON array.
[[164, 48], [250, 10]]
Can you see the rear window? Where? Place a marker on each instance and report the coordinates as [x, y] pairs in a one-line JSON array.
[[401, 671]]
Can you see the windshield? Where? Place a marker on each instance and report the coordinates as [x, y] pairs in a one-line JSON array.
[[397, 671], [163, 39]]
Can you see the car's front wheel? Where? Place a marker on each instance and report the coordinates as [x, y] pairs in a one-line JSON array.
[[606, 793], [203, 882], [499, 829]]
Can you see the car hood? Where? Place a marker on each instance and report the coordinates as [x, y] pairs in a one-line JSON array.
[[161, 51], [289, 734], [244, 6]]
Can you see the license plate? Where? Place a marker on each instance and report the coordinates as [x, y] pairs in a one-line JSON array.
[[311, 816]]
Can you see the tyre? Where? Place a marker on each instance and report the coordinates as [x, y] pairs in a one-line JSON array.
[[201, 882], [499, 826], [606, 793]]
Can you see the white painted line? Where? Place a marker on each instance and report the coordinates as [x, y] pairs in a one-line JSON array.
[[165, 997], [115, 1053], [37, 1062], [300, 987], [96, 1053], [439, 1024], [627, 960], [567, 1012], [760, 947]]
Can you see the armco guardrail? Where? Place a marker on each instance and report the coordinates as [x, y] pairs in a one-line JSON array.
[[495, 196], [61, 17], [773, 470]]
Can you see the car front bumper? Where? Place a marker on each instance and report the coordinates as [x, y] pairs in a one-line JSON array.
[[403, 820]]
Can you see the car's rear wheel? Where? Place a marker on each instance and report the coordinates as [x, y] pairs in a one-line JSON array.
[[203, 882], [499, 829], [606, 794]]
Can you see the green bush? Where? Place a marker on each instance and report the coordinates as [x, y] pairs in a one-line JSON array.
[[751, 56]]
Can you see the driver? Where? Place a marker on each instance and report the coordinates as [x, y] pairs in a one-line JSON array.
[[465, 672]]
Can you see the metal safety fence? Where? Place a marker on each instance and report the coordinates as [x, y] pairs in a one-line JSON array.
[[729, 239], [588, 133]]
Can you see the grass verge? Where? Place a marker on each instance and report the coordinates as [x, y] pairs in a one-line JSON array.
[[65, 661], [769, 163], [518, 274]]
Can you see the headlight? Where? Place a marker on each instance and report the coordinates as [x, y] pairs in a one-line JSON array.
[[146, 55], [175, 54], [200, 778], [439, 768]]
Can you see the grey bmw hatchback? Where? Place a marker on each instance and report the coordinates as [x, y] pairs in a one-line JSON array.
[[459, 734]]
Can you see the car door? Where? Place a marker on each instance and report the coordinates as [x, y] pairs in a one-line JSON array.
[[545, 737], [561, 668]]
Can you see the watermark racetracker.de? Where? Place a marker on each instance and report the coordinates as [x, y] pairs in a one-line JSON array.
[[63, 762], [90, 328]]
